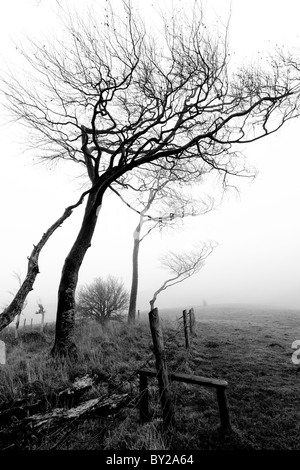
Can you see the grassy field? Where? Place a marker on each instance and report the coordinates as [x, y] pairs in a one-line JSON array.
[[248, 347]]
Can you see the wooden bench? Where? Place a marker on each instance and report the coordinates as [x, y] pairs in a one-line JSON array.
[[219, 385]]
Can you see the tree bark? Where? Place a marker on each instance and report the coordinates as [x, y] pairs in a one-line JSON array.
[[134, 282], [64, 345], [65, 321], [135, 268]]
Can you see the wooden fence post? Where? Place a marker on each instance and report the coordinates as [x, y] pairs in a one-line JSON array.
[[186, 332], [223, 408], [138, 315], [161, 368], [192, 321], [144, 398], [31, 324], [24, 322]]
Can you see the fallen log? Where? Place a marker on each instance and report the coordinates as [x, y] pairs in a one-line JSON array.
[[69, 397], [100, 406], [72, 395], [37, 424]]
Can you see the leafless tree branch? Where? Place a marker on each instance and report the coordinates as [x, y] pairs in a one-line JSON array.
[[183, 265]]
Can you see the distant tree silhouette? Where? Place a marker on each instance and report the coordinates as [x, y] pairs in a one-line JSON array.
[[103, 300], [41, 311], [183, 265]]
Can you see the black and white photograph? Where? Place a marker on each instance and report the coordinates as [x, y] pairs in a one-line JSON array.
[[150, 229]]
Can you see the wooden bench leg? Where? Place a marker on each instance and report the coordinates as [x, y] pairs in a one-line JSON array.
[[223, 408]]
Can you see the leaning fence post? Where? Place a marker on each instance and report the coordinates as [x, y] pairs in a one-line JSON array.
[[223, 408], [192, 321], [161, 368], [186, 333], [144, 398]]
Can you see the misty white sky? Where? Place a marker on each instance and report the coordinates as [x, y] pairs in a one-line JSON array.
[[258, 257]]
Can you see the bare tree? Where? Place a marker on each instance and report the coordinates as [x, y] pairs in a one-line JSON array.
[[17, 305], [103, 300], [163, 194], [182, 266], [115, 97]]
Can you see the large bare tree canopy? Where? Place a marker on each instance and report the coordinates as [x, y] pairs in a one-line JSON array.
[[114, 96]]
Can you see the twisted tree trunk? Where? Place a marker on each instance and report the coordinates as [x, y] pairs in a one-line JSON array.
[[64, 345], [65, 320], [16, 306]]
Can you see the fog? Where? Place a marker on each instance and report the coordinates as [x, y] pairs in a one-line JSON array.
[[258, 229]]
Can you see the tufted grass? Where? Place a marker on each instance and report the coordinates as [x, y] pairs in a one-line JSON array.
[[248, 347]]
